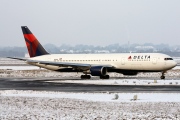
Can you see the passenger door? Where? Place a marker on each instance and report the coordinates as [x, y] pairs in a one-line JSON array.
[[154, 60], [122, 61]]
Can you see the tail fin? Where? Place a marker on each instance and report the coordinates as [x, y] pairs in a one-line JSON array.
[[33, 45]]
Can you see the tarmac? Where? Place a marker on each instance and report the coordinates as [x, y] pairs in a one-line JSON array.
[[51, 84]]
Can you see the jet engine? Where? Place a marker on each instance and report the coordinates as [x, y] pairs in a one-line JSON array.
[[98, 71]]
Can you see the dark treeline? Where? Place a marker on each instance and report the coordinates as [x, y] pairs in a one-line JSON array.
[[11, 54], [13, 51], [173, 51]]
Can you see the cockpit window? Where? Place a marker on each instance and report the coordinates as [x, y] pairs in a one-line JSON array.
[[168, 59]]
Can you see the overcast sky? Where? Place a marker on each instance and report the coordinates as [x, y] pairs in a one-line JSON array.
[[94, 22]]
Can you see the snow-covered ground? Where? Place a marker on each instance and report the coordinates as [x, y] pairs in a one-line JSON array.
[[103, 97], [123, 82], [70, 106]]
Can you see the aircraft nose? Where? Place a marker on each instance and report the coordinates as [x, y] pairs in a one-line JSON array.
[[173, 64], [170, 64]]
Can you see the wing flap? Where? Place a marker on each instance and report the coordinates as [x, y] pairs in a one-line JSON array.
[[58, 63]]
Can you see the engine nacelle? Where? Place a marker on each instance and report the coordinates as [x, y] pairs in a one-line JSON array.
[[98, 71]]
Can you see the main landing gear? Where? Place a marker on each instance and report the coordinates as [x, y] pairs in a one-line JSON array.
[[104, 77], [85, 77], [89, 77], [163, 77]]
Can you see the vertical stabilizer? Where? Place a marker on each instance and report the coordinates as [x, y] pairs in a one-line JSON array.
[[33, 45]]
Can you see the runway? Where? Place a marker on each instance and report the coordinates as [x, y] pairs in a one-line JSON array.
[[51, 84]]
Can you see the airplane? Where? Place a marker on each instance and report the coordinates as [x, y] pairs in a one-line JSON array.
[[95, 64]]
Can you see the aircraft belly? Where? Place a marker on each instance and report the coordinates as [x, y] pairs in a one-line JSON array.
[[51, 67]]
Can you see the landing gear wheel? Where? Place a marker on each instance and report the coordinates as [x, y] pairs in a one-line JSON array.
[[162, 77], [104, 77], [85, 77]]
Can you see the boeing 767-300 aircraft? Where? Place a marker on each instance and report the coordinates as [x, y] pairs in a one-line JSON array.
[[95, 64]]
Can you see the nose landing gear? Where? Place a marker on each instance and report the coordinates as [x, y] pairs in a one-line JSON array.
[[163, 77]]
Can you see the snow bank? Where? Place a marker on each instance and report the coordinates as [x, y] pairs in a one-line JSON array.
[[105, 97], [55, 105], [123, 82]]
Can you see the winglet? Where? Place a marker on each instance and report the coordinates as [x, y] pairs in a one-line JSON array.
[[33, 45]]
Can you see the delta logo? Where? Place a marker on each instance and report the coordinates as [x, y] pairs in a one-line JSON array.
[[137, 57], [129, 58]]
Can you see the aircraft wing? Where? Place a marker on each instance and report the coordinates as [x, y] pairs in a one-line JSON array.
[[62, 64], [23, 59], [68, 64]]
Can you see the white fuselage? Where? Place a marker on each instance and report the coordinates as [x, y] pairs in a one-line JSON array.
[[123, 61]]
